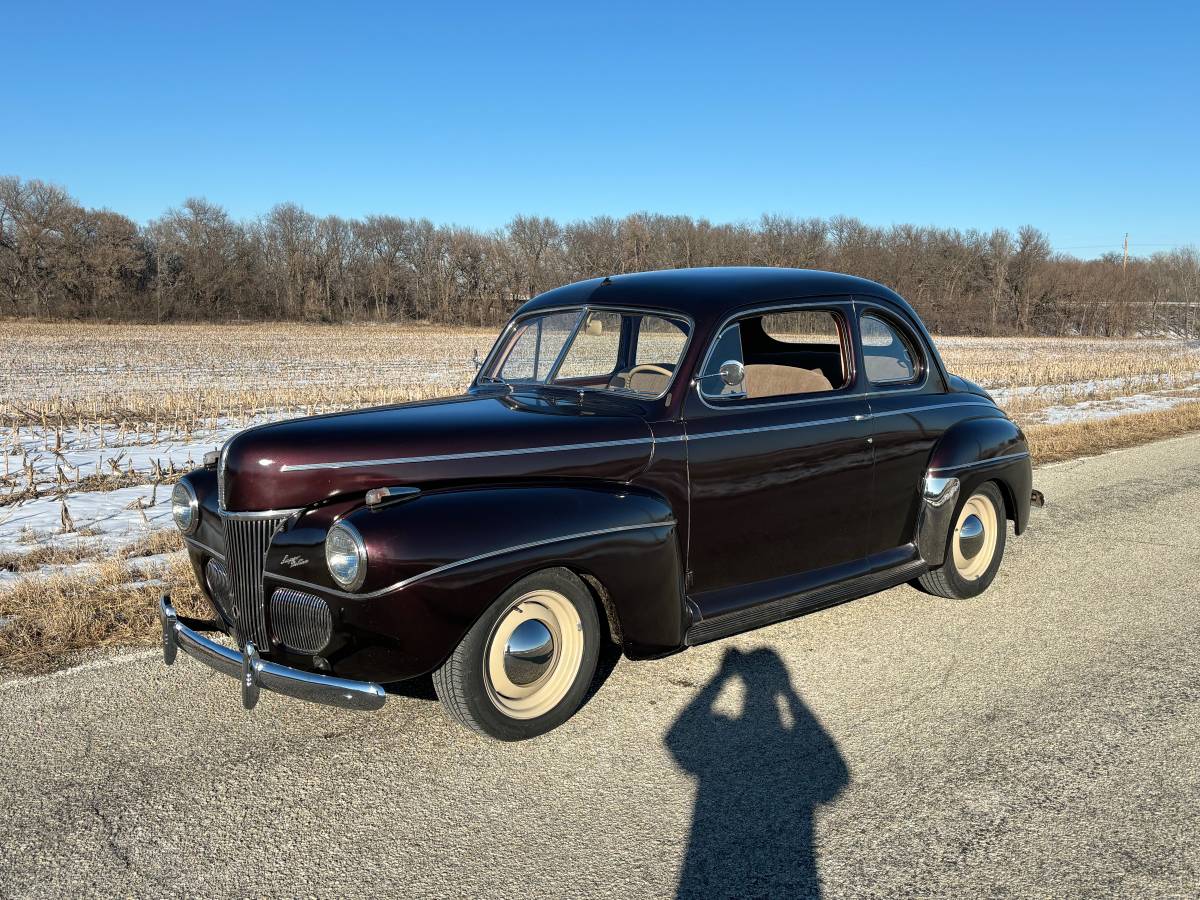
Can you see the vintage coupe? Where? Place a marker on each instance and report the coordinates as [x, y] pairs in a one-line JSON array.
[[655, 460]]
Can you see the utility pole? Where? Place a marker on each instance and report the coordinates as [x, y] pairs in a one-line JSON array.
[[1125, 258]]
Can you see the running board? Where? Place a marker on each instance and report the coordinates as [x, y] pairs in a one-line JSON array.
[[789, 607]]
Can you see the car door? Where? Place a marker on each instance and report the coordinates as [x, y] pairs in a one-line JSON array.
[[780, 467], [910, 410]]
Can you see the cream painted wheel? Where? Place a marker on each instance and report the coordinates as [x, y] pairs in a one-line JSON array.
[[973, 543], [974, 546], [527, 663], [534, 654]]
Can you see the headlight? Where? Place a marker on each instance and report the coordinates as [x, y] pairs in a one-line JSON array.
[[185, 508], [346, 555]]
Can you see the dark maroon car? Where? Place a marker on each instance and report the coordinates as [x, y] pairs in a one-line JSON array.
[[655, 460]]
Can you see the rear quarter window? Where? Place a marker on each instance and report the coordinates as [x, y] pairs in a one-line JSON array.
[[888, 355]]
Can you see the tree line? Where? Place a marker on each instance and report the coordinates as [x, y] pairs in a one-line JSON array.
[[59, 259]]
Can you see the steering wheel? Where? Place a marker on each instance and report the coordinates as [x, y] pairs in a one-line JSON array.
[[647, 367]]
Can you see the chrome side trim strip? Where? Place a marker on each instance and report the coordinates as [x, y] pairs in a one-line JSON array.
[[814, 422], [465, 562], [595, 445], [1024, 454], [207, 549], [783, 427], [474, 454], [913, 409]]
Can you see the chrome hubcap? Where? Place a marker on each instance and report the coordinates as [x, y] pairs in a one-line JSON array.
[[971, 537], [529, 652]]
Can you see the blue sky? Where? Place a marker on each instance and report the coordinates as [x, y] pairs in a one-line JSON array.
[[1081, 119]]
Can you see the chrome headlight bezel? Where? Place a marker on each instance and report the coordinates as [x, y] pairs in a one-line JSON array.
[[357, 550], [183, 497]]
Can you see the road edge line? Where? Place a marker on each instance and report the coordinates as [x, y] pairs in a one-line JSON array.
[[93, 666]]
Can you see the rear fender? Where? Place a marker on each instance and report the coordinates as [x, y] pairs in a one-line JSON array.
[[969, 454]]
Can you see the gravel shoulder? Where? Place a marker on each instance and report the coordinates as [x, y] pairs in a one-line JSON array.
[[1038, 741]]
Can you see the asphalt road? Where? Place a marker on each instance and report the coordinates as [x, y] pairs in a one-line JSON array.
[[1039, 741]]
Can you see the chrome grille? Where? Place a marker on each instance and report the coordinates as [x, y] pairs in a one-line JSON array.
[[246, 542], [222, 463], [300, 621], [217, 577]]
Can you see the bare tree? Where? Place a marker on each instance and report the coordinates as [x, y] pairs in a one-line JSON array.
[[58, 259]]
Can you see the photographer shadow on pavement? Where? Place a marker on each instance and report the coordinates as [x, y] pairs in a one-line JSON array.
[[760, 776]]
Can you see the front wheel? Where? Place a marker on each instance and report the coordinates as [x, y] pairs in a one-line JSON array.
[[974, 548], [525, 666]]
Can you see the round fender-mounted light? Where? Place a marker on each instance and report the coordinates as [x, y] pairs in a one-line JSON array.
[[185, 508], [346, 555]]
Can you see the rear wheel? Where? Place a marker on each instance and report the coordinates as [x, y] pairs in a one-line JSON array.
[[526, 665], [974, 549]]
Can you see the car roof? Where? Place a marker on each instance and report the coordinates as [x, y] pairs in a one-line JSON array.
[[705, 294]]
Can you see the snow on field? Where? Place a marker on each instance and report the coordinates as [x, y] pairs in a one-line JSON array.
[[1004, 395], [1090, 410], [104, 521], [110, 519], [100, 450]]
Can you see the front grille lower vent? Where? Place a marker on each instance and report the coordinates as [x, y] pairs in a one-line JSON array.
[[246, 542], [300, 621]]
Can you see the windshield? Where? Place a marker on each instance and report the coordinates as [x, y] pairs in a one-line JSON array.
[[623, 351]]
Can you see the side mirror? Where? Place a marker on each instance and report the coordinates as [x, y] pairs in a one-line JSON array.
[[732, 372]]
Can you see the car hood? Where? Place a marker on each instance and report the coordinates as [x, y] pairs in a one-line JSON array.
[[294, 464]]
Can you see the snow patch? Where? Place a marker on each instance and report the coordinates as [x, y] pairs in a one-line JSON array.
[[1094, 410], [112, 519], [1004, 395]]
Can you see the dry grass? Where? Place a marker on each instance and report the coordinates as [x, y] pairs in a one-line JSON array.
[[48, 554], [165, 540], [50, 618], [1052, 443]]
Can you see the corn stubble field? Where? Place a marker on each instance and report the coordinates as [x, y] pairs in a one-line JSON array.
[[97, 421]]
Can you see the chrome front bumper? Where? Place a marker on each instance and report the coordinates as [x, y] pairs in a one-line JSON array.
[[256, 674]]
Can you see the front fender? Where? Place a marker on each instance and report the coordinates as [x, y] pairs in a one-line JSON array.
[[437, 561], [970, 453]]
